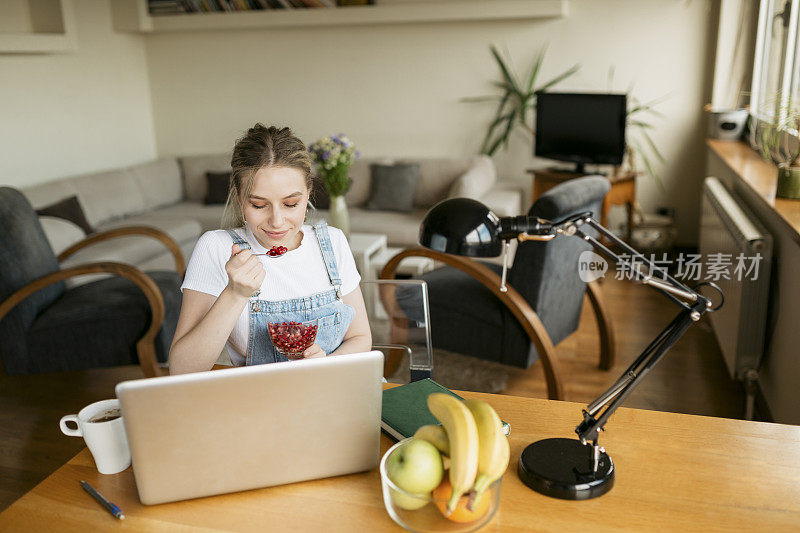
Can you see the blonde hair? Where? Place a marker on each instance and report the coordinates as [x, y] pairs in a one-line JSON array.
[[262, 147]]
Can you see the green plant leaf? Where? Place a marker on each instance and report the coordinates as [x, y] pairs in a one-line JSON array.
[[509, 127], [504, 86], [648, 165], [535, 69], [509, 78], [502, 138], [561, 77], [653, 146], [490, 132], [490, 151], [648, 107], [514, 103]]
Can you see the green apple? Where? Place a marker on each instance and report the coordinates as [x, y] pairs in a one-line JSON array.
[[415, 467]]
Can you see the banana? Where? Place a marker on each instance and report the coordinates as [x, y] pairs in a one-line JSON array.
[[494, 451], [436, 435], [462, 434]]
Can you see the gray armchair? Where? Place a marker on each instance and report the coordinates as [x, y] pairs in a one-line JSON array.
[[470, 315], [126, 319]]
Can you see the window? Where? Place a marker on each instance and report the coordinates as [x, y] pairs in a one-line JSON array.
[[776, 71]]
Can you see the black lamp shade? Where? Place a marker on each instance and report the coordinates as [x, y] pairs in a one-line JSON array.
[[461, 226]]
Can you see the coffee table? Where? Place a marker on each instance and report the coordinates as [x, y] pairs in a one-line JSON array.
[[367, 247]]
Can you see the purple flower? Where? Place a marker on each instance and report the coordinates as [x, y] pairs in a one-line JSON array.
[[325, 156]]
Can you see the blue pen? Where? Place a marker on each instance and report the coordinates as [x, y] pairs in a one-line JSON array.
[[113, 509]]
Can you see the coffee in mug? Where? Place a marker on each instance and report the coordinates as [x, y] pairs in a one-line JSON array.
[[101, 426], [106, 417]]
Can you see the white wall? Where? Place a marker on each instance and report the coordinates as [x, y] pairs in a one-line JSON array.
[[395, 89], [76, 112]]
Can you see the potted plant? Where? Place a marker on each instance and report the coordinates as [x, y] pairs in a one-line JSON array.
[[516, 100], [334, 155], [778, 140]]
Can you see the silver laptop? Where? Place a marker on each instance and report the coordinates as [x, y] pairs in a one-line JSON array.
[[236, 429]]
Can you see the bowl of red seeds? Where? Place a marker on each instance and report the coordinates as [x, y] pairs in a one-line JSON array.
[[291, 339]]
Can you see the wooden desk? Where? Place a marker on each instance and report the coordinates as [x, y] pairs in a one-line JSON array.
[[674, 473], [622, 192]]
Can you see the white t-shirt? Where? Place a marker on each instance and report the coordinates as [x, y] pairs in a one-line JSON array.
[[296, 274]]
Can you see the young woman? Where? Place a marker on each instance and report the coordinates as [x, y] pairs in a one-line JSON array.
[[230, 293]]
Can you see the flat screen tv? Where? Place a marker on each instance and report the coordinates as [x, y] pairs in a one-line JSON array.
[[581, 128]]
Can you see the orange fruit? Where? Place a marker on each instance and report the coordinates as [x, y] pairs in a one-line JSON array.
[[441, 495]]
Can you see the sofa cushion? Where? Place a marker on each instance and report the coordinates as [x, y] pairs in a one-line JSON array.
[[194, 172], [218, 185], [436, 178], [401, 229], [97, 325], [109, 195], [393, 186], [136, 250], [60, 233], [359, 190], [504, 203], [68, 209], [208, 216], [473, 183], [49, 193], [182, 229], [160, 182]]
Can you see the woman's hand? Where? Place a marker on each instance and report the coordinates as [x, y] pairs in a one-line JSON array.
[[245, 272], [313, 351]]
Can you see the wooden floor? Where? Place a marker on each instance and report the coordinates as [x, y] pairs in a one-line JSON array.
[[690, 379]]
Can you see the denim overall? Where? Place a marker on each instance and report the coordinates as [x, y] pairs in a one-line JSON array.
[[326, 309]]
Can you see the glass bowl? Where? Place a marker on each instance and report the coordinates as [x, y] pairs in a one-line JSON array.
[[421, 513], [291, 339]]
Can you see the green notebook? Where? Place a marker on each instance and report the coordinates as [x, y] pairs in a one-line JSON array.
[[405, 408]]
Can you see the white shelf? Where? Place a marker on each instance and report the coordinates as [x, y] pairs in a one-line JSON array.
[[129, 16], [53, 30]]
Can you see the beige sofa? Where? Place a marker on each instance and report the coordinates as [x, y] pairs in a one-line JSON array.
[[168, 194], [440, 178]]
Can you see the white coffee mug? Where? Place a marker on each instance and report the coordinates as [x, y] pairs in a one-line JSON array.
[[105, 439]]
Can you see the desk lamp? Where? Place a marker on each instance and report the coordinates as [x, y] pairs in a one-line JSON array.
[[572, 469]]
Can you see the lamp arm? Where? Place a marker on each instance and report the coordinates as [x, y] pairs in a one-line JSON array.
[[562, 467], [588, 430], [692, 309]]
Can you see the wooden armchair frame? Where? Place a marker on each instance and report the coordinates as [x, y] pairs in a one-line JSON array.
[[129, 231], [145, 346], [523, 312]]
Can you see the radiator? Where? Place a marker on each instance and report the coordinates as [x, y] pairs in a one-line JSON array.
[[727, 227]]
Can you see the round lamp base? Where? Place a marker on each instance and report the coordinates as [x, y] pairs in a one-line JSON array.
[[562, 468]]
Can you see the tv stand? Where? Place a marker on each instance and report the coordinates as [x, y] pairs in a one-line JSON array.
[[623, 189]]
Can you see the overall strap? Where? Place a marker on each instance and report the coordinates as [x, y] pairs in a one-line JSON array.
[[244, 245], [328, 257]]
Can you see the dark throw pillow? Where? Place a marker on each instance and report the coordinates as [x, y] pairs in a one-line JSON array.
[[69, 209], [393, 186], [217, 186]]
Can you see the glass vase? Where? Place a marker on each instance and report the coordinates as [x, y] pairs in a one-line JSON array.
[[338, 216]]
